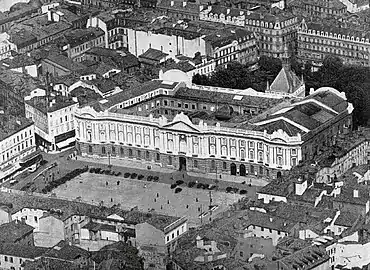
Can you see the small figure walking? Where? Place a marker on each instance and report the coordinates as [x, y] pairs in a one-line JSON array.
[[106, 183], [168, 201]]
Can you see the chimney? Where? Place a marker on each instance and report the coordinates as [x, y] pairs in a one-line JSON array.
[[355, 193], [184, 4], [228, 11], [199, 242], [312, 91], [172, 3]]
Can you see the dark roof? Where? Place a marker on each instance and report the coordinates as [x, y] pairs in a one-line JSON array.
[[10, 125], [228, 98], [104, 85], [347, 195], [60, 103], [68, 208], [132, 92], [92, 226], [121, 59], [347, 219], [79, 36], [153, 54], [18, 61], [118, 251], [227, 36], [308, 196], [20, 250], [13, 231], [65, 62], [276, 187], [64, 251], [265, 220]]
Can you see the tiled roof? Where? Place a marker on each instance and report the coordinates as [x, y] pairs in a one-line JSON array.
[[306, 258], [121, 59], [67, 208], [289, 129], [347, 195], [18, 61], [40, 103], [308, 196], [65, 62], [153, 54], [132, 92], [80, 36], [65, 251], [184, 66], [20, 250], [265, 220], [10, 125], [286, 81], [157, 220], [276, 187], [227, 98], [227, 36], [13, 231], [92, 226], [343, 31], [326, 202], [347, 219]]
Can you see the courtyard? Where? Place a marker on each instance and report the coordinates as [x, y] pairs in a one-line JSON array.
[[148, 196]]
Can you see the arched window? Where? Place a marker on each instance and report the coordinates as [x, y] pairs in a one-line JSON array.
[[103, 150], [280, 161], [121, 151], [90, 149], [251, 154], [130, 152], [224, 165], [224, 150], [147, 155], [113, 150], [212, 150]]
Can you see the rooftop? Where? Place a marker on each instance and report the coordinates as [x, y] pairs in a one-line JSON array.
[[95, 227], [55, 103], [347, 195], [14, 231], [286, 81], [65, 62], [277, 187], [79, 36], [227, 36], [347, 219], [153, 54], [20, 250], [10, 125], [20, 60], [65, 251]]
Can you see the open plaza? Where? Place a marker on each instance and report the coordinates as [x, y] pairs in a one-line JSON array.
[[147, 196]]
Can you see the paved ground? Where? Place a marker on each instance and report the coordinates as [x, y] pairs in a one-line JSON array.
[[125, 165], [190, 202]]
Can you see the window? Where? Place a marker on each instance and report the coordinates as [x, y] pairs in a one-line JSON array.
[[158, 157], [35, 219], [241, 254], [179, 105], [113, 150], [262, 229], [147, 155], [224, 165], [168, 238], [213, 164], [169, 160], [130, 152], [139, 154], [90, 149], [103, 150], [195, 163], [11, 259], [173, 235], [121, 151], [6, 258]]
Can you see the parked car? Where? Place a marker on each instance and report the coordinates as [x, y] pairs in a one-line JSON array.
[[191, 184], [177, 190], [127, 175], [155, 178], [173, 186], [149, 178]]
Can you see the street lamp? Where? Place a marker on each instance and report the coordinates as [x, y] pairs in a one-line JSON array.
[[109, 165]]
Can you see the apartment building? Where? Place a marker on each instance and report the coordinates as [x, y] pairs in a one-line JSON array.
[[317, 40]]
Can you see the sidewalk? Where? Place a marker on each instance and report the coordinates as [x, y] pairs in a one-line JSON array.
[[142, 165]]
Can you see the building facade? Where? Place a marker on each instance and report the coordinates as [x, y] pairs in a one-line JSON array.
[[153, 134], [274, 32], [54, 121], [15, 145], [317, 40]]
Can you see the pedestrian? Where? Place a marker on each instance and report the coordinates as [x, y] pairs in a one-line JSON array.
[[168, 201], [157, 195], [161, 207], [106, 183], [111, 199], [196, 199], [155, 200], [187, 206]]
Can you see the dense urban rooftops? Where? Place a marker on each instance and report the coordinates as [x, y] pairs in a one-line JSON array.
[[14, 231], [21, 250]]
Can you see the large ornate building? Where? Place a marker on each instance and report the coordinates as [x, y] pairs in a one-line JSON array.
[[206, 129], [317, 40]]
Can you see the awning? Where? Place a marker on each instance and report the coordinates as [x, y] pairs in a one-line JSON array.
[[66, 143], [30, 156]]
